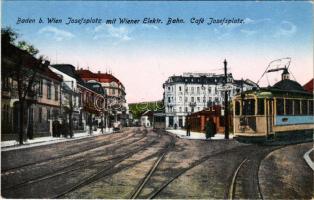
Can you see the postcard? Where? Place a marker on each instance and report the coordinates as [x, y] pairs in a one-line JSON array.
[[157, 99]]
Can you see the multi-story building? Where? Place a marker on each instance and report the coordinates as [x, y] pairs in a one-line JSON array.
[[117, 107], [192, 92], [27, 78], [79, 98]]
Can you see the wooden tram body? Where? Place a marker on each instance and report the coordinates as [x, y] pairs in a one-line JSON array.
[[272, 113]]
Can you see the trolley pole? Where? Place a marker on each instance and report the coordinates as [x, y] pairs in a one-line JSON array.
[[226, 103]]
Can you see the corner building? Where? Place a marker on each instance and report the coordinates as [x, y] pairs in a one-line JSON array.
[[192, 92]]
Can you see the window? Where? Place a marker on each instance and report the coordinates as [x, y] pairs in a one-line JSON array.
[[5, 82], [48, 114], [186, 99], [192, 89], [180, 88], [113, 91], [169, 99], [248, 107], [186, 89], [186, 109], [260, 106], [311, 107], [48, 90], [280, 106], [56, 93], [209, 90], [192, 99], [198, 90], [168, 88], [289, 106], [39, 115], [304, 107], [180, 109], [297, 105], [180, 99], [204, 99], [237, 108], [40, 88], [198, 99]]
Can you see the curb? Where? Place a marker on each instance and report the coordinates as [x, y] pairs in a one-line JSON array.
[[307, 158], [44, 143]]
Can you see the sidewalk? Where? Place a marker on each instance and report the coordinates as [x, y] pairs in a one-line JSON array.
[[13, 144], [197, 135]]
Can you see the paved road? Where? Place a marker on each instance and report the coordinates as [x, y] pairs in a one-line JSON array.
[[138, 163]]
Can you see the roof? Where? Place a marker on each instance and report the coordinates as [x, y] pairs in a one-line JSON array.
[[101, 77], [288, 85], [214, 79], [70, 70], [309, 86], [15, 54], [96, 87]]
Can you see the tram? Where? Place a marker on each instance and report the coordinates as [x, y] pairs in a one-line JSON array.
[[283, 111]]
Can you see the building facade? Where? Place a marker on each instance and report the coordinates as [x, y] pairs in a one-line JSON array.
[[117, 107], [82, 101], [24, 75], [193, 92]]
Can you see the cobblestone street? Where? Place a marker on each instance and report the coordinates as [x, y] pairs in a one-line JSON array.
[[142, 163]]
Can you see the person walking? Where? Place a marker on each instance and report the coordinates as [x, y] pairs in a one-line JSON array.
[[188, 129]]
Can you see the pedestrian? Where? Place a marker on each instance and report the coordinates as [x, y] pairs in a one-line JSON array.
[[54, 128], [210, 128], [188, 129]]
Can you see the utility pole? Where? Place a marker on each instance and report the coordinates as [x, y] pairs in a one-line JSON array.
[[226, 103]]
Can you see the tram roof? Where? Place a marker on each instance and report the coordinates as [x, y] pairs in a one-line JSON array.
[[275, 92]]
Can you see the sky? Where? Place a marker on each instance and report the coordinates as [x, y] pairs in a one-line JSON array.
[[143, 56]]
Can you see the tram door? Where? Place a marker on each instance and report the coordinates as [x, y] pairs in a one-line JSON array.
[[269, 116]]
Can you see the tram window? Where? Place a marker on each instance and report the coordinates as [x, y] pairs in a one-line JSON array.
[[260, 106], [311, 107], [237, 108], [297, 107], [304, 107], [289, 106], [248, 107], [280, 106]]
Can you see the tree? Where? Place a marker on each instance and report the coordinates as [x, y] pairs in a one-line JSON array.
[[27, 47], [22, 67]]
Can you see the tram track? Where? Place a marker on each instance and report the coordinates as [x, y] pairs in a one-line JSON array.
[[181, 172], [101, 170], [113, 169], [68, 169], [90, 148], [162, 155], [249, 167]]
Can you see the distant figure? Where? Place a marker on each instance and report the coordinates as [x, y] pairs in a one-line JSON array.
[[210, 128], [175, 126], [56, 128], [188, 129]]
